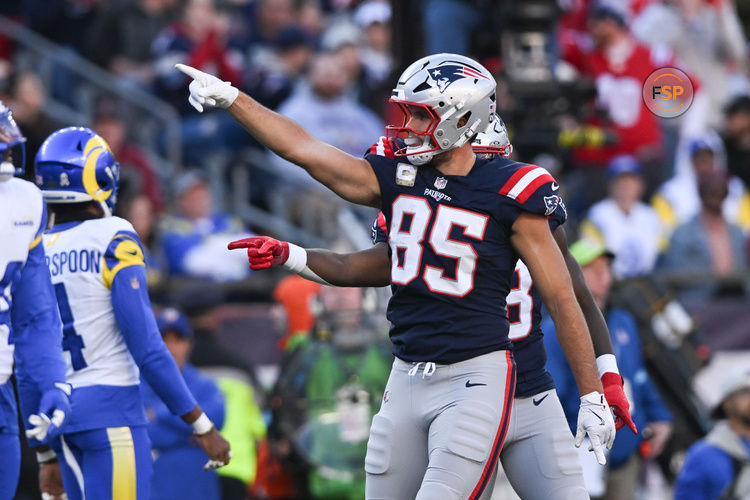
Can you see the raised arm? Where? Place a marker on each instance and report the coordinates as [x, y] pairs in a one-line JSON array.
[[533, 240], [370, 267], [349, 177]]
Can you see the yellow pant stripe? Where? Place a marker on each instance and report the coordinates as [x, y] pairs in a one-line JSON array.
[[123, 463]]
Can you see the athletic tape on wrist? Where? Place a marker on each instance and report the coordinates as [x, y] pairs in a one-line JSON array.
[[202, 425], [297, 263], [594, 398], [42, 457], [606, 363], [297, 259]]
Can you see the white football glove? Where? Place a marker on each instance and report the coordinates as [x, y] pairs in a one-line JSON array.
[[215, 464], [208, 90], [50, 496], [595, 419], [54, 406]]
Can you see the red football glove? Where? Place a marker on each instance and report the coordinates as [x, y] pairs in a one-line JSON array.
[[617, 400], [262, 251]]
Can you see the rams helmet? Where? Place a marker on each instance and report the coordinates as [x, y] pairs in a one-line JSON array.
[[75, 165]]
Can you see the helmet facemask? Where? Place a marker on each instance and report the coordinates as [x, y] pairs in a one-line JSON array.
[[420, 144], [493, 141], [12, 146]]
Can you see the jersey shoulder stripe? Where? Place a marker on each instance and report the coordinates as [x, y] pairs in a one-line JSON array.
[[379, 229], [381, 223], [524, 182]]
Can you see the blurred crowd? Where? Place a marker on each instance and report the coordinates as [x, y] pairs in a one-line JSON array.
[[668, 199]]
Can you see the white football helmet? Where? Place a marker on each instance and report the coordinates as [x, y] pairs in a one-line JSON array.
[[493, 140], [448, 87]]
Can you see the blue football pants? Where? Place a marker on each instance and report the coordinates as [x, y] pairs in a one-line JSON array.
[[10, 463], [10, 449], [111, 463]]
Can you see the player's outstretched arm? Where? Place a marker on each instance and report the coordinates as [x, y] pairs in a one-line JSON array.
[[605, 358], [349, 177], [369, 267], [533, 240]]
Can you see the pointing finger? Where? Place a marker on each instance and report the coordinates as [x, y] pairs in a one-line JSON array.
[[193, 73], [243, 243]]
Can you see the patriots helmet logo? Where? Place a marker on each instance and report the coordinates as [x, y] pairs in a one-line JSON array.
[[551, 202], [448, 73]]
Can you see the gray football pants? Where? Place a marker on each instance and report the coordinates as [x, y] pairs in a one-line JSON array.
[[440, 429], [538, 456]]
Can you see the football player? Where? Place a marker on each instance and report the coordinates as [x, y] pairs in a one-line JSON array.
[[457, 227], [30, 329], [110, 336], [536, 469]]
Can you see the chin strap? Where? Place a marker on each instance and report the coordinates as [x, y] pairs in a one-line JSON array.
[[105, 208], [420, 158]]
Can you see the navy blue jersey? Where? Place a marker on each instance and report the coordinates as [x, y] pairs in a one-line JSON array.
[[452, 261], [524, 310]]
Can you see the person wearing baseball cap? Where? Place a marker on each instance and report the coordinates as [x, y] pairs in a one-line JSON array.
[[646, 408], [718, 466], [178, 462], [624, 223]]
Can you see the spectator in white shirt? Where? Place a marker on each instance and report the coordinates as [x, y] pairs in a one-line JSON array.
[[623, 223]]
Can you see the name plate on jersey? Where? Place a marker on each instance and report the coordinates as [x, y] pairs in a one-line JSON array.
[[406, 174]]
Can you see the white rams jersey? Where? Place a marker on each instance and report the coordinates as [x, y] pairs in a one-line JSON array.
[[21, 215], [636, 238], [93, 346]]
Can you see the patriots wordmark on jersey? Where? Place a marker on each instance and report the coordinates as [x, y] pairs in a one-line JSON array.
[[452, 263]]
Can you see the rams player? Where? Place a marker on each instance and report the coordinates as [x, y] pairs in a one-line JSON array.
[[536, 468], [110, 336], [30, 330], [458, 224]]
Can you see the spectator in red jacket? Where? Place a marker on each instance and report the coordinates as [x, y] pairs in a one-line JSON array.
[[619, 65], [200, 38]]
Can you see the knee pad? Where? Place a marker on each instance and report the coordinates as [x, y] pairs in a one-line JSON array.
[[558, 457], [378, 457], [473, 433]]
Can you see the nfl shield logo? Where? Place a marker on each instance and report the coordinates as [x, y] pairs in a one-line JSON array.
[[440, 182]]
